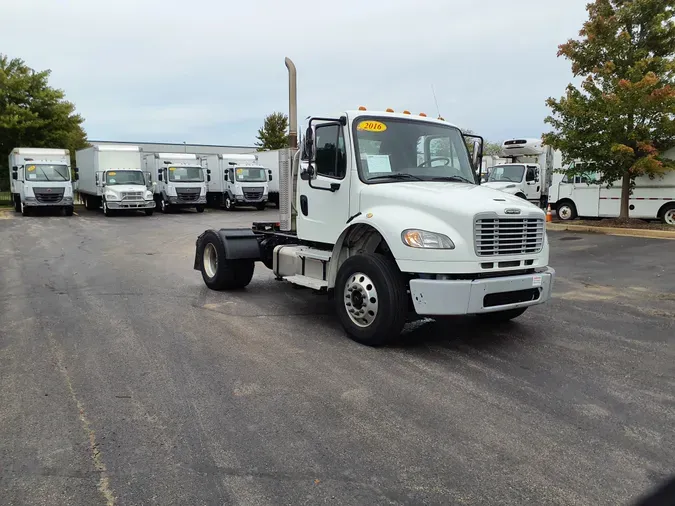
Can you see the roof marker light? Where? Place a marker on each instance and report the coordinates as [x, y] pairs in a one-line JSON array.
[[389, 109], [361, 108], [406, 112], [423, 115]]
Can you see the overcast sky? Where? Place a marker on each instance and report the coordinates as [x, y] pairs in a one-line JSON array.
[[208, 71]]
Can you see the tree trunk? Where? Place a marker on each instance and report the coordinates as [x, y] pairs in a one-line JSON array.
[[625, 196]]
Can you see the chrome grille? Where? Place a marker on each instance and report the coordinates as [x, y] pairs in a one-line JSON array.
[[508, 236], [132, 195], [188, 194], [252, 193]]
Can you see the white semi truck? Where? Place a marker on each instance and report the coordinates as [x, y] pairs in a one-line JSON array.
[[180, 178], [271, 160], [236, 180], [112, 179], [40, 177], [381, 209], [529, 171]]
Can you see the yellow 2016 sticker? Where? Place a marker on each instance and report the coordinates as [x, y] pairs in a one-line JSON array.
[[240, 172], [172, 169], [30, 168], [371, 126], [112, 173]]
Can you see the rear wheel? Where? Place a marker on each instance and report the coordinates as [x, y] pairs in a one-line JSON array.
[[218, 272], [566, 211], [668, 215], [371, 299], [502, 316]]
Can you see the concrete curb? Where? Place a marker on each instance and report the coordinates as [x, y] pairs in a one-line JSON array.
[[629, 232]]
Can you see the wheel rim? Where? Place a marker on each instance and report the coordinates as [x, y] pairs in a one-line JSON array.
[[565, 212], [361, 300], [669, 216], [228, 204], [210, 260]]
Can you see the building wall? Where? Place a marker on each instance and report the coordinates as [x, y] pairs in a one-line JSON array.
[[198, 149]]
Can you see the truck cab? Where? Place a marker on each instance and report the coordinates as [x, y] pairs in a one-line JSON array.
[[520, 179], [180, 178], [246, 185], [41, 177], [381, 210]]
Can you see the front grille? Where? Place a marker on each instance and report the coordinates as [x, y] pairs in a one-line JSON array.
[[188, 194], [252, 193], [508, 236], [132, 195], [48, 195]]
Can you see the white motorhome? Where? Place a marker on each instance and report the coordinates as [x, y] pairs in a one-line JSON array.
[[382, 210], [271, 160], [180, 178], [580, 196], [40, 177], [529, 172], [236, 180], [112, 179]]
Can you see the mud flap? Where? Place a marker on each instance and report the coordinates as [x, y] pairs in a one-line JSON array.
[[238, 243]]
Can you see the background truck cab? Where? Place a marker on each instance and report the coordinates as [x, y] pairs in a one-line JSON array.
[[180, 178], [237, 180], [41, 178]]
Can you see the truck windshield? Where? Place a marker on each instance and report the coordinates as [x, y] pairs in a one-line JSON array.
[[507, 173], [124, 177], [186, 174], [47, 172], [396, 149], [250, 175]]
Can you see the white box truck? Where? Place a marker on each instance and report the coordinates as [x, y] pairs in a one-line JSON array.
[[40, 177], [236, 180], [381, 209], [529, 172], [271, 160], [180, 178], [112, 179]]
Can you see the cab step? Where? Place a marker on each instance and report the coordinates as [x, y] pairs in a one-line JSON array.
[[313, 283], [315, 254]]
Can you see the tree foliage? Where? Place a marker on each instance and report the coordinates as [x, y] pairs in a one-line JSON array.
[[33, 114], [622, 117], [274, 132]]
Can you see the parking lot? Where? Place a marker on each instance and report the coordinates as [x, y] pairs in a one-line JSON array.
[[124, 380]]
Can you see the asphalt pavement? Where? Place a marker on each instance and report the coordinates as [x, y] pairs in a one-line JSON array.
[[124, 380]]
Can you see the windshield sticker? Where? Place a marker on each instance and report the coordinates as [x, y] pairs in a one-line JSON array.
[[30, 168], [172, 169], [32, 176], [240, 172], [112, 173], [177, 177], [371, 126], [378, 163]]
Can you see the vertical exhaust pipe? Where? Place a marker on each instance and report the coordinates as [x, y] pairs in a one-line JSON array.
[[292, 105], [288, 157]]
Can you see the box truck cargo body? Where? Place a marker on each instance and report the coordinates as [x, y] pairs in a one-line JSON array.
[[270, 160], [112, 179], [40, 177]]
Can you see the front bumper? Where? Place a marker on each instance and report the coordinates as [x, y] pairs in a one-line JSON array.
[[131, 204], [177, 201], [33, 202], [433, 297], [240, 199]]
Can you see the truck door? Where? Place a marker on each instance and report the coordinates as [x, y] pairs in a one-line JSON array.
[[323, 200], [532, 183], [586, 196]]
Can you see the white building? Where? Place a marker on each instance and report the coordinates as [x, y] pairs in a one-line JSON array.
[[198, 149]]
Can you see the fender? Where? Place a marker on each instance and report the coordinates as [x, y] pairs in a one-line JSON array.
[[238, 243]]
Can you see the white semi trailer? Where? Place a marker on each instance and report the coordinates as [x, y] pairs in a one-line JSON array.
[[381, 209], [111, 178], [40, 177], [529, 171], [180, 178], [236, 180]]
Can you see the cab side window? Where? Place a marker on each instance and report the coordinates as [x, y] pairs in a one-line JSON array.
[[331, 155], [531, 174]]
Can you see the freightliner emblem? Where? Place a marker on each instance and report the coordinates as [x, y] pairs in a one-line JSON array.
[[512, 211]]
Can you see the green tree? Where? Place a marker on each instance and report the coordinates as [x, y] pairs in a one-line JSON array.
[[274, 132], [33, 114], [622, 116]]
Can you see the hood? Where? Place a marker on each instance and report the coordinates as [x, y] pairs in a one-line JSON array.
[[506, 186], [457, 198]]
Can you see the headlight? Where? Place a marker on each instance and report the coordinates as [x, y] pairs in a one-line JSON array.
[[111, 196], [423, 239], [148, 195]]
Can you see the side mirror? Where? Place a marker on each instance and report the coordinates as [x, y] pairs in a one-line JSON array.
[[476, 155], [270, 175], [76, 170], [208, 177], [308, 151], [15, 168], [159, 175], [208, 171], [15, 176], [76, 177]]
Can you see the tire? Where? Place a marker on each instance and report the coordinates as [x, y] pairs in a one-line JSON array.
[[25, 210], [668, 215], [17, 203], [377, 277], [149, 212], [106, 211], [566, 211], [200, 209], [219, 273], [68, 211], [229, 205], [261, 206], [502, 316], [89, 203], [163, 206]]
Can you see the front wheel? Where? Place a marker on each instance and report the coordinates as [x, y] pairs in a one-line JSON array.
[[200, 209], [163, 206], [25, 211], [371, 299], [566, 211], [218, 272], [68, 211], [261, 206], [229, 205], [149, 212], [502, 316], [106, 210], [17, 204]]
